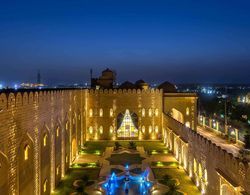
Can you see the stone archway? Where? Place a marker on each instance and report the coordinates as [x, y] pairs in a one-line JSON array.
[[4, 167], [73, 149], [45, 147], [127, 124], [26, 167]]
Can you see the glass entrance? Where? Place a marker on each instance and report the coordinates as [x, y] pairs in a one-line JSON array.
[[127, 127]]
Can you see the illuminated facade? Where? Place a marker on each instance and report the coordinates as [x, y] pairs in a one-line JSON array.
[[40, 132]]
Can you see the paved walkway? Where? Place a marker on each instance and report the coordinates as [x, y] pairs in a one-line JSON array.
[[231, 148]]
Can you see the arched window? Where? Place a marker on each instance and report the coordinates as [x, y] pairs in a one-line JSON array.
[[150, 129], [57, 169], [66, 160], [45, 139], [90, 129], [26, 152], [45, 185], [101, 130], [195, 166], [57, 132], [156, 112], [90, 112], [149, 112], [111, 113], [200, 171], [67, 125], [187, 124], [111, 129], [143, 112], [101, 112], [143, 129], [187, 111], [156, 129], [205, 175]]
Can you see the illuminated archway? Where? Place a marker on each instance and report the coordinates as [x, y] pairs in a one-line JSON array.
[[127, 125], [73, 149], [177, 115], [26, 177]]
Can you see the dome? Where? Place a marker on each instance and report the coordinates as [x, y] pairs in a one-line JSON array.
[[167, 87], [107, 70], [141, 84]]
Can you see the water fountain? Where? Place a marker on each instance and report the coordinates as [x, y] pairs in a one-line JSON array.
[[138, 184]]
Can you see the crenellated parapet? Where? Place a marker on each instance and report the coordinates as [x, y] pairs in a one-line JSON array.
[[124, 91], [219, 164]]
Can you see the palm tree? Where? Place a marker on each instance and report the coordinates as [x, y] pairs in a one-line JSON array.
[[173, 189], [132, 145]]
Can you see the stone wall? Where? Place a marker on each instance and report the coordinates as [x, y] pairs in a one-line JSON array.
[[105, 105], [36, 131], [213, 169]]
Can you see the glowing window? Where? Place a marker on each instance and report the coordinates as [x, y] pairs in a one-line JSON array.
[[127, 127], [205, 175], [187, 111], [149, 112], [26, 152], [187, 124], [45, 140], [45, 185], [150, 129], [143, 112], [73, 121], [101, 112], [67, 125], [195, 166], [200, 171], [156, 112], [101, 130], [79, 117], [90, 112], [110, 129], [111, 113], [143, 129], [90, 129], [57, 170], [66, 159], [156, 129], [57, 132]]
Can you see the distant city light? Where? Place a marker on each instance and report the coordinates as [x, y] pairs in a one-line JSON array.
[[16, 86], [1, 86]]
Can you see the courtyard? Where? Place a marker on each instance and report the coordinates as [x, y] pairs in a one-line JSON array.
[[100, 159]]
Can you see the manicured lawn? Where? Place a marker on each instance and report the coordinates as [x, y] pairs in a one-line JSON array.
[[65, 187], [85, 165], [186, 185], [149, 146], [164, 164], [125, 159]]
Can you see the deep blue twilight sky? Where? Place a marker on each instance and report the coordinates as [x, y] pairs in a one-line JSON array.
[[179, 41]]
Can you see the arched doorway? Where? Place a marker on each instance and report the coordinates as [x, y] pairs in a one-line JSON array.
[[127, 124], [3, 174], [73, 149]]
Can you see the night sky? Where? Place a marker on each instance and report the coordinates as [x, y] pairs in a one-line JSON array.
[[178, 41]]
